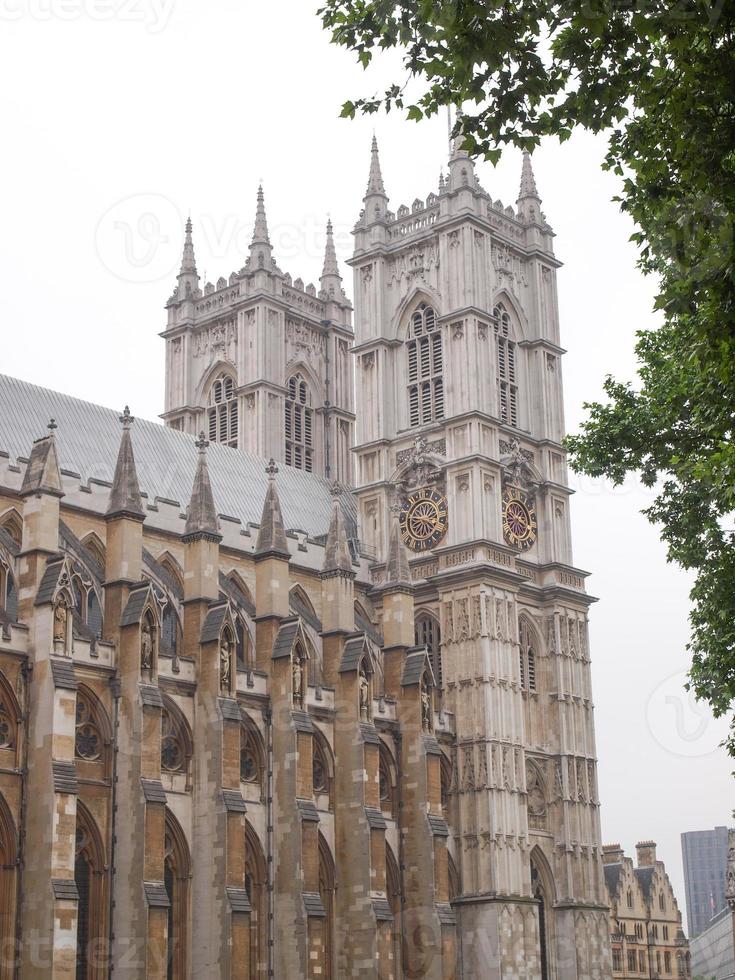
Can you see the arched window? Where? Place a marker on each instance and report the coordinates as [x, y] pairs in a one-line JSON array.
[[322, 771], [425, 367], [256, 886], [446, 782], [12, 524], [326, 892], [527, 655], [222, 411], [507, 373], [252, 756], [96, 550], [393, 894], [541, 893], [299, 424], [170, 631], [427, 633], [8, 884], [629, 899], [176, 874], [387, 783], [176, 739], [90, 876], [88, 742], [8, 592], [661, 901]]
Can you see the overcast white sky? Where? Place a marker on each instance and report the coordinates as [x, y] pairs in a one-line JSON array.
[[119, 116]]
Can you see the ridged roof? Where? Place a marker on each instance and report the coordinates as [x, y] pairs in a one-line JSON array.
[[88, 439]]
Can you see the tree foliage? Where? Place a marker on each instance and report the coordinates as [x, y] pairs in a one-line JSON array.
[[658, 78]]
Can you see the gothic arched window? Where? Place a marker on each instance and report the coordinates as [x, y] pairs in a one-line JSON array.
[[176, 876], [427, 633], [8, 592], [90, 876], [527, 656], [507, 373], [88, 742], [299, 424], [222, 411], [425, 367], [176, 740], [12, 524], [322, 769], [252, 759]]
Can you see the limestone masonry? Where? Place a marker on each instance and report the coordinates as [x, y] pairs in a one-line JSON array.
[[298, 684]]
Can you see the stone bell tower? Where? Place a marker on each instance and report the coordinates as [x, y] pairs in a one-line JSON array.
[[261, 361], [459, 426]]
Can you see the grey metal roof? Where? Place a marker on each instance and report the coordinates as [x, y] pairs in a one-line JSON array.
[[65, 889], [62, 672], [64, 777], [153, 790], [133, 610], [238, 899], [382, 910], [156, 895], [233, 801], [375, 818], [88, 439], [150, 696], [229, 709]]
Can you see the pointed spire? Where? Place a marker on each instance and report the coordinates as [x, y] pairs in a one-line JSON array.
[[397, 571], [529, 202], [330, 279], [375, 179], [201, 516], [42, 473], [261, 253], [188, 277], [336, 549], [528, 181], [125, 499], [461, 165], [272, 535]]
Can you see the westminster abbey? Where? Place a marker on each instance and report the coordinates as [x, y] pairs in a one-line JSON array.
[[297, 685]]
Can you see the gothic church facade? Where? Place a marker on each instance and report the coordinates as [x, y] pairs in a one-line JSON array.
[[298, 684]]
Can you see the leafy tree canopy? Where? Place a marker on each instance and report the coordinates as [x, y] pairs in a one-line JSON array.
[[658, 78]]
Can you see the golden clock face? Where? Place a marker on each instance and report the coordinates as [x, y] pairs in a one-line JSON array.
[[519, 519], [423, 519]]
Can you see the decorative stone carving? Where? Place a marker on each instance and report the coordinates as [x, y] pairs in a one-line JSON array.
[[146, 647], [225, 664], [730, 889], [364, 696], [536, 798], [61, 614], [518, 466], [427, 710], [297, 682]]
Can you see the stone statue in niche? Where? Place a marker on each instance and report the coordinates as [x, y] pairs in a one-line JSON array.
[[297, 679], [364, 686], [61, 615], [225, 663], [146, 647], [426, 708]]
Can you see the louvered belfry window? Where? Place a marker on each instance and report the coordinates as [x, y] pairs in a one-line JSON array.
[[507, 374], [425, 366], [222, 411], [299, 425]]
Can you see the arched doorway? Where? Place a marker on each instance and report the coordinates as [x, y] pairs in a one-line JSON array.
[[176, 877], [8, 872]]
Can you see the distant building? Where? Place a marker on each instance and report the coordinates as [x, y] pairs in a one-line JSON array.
[[646, 936], [704, 853], [713, 951]]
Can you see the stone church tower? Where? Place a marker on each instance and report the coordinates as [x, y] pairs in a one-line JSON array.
[[261, 362], [459, 429]]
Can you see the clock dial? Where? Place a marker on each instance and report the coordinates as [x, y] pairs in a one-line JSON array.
[[423, 519], [519, 519]]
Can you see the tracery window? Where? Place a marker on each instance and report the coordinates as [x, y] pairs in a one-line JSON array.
[[427, 633], [507, 374], [88, 742], [176, 878], [527, 657], [8, 592], [173, 744], [12, 524], [299, 424], [90, 877], [7, 727], [222, 411], [251, 756], [425, 367]]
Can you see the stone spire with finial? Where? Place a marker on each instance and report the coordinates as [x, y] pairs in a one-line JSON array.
[[330, 280], [43, 474], [272, 534], [461, 166], [125, 498], [188, 277], [261, 252], [376, 200], [529, 201], [337, 558], [201, 516]]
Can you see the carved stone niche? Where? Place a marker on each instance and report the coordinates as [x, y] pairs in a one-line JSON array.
[[518, 467], [537, 808]]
